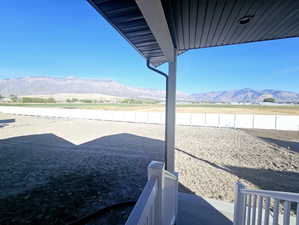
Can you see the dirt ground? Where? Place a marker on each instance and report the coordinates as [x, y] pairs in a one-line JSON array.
[[286, 139], [53, 171]]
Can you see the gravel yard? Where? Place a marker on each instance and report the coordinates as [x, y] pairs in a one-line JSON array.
[[53, 171]]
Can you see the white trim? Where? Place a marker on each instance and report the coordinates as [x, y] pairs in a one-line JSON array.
[[170, 118], [153, 13]]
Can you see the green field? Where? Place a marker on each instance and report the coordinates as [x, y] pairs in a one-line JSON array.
[[186, 108]]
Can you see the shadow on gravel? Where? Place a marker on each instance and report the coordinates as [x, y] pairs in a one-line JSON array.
[[4, 123], [69, 194], [45, 179], [56, 202], [290, 145], [203, 160], [82, 182], [71, 183], [268, 179], [39, 141], [129, 144], [281, 138], [263, 178]]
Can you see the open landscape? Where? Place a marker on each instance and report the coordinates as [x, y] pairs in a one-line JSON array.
[[66, 168], [162, 112], [181, 108], [56, 168], [72, 92]]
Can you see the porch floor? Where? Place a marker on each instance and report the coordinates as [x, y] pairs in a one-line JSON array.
[[195, 210]]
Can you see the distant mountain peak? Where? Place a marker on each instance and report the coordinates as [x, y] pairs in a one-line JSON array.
[[246, 95], [53, 85], [39, 85]]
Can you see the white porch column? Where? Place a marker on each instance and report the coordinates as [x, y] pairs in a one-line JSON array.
[[170, 116]]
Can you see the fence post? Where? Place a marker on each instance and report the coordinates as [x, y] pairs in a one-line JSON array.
[[238, 206], [235, 120], [155, 170]]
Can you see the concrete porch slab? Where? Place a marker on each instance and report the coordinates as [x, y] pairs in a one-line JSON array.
[[195, 210]]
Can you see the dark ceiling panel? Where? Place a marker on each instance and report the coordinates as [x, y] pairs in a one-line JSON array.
[[210, 23], [128, 20], [200, 21], [232, 10], [203, 23]]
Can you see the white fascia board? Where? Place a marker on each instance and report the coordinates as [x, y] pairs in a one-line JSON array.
[[153, 13]]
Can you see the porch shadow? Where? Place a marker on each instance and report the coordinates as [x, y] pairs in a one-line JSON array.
[[54, 198], [263, 178], [200, 159], [4, 123], [56, 182], [268, 179], [290, 145], [280, 138]]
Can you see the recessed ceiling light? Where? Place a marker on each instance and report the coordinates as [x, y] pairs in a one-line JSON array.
[[245, 19]]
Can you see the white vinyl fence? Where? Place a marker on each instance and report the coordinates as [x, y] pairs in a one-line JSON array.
[[261, 207], [158, 201], [277, 122]]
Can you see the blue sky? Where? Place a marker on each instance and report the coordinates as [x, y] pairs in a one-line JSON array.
[[69, 38]]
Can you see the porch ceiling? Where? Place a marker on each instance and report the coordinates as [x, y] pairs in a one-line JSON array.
[[203, 23]]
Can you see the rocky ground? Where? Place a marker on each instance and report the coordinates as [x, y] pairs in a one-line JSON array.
[[53, 171]]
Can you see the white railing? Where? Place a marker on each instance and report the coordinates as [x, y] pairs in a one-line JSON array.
[[157, 204], [170, 197], [261, 207]]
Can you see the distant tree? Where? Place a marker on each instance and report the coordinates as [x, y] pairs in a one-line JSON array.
[[51, 100], [131, 101], [1, 97], [72, 100], [37, 100], [13, 98], [75, 100], [269, 100], [85, 100]]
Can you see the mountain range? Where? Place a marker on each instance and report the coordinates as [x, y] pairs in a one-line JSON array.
[[49, 85], [247, 95]]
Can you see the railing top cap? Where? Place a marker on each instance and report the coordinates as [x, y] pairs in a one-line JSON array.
[[156, 165], [288, 196]]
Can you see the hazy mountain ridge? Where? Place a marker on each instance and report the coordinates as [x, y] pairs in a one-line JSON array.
[[49, 85], [247, 95]]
